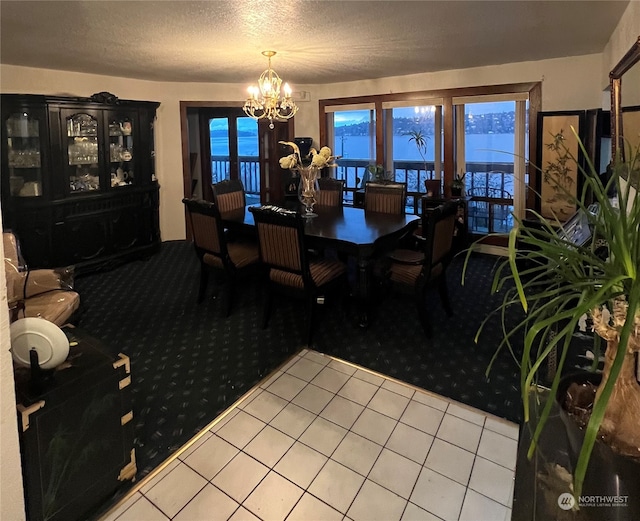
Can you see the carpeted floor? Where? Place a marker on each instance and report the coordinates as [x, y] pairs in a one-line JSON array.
[[189, 364]]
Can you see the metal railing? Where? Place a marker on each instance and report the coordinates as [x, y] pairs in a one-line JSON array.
[[249, 172], [481, 178]]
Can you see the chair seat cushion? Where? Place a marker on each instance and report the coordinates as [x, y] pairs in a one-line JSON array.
[[241, 254], [325, 270], [407, 256], [322, 271], [407, 274], [404, 274]]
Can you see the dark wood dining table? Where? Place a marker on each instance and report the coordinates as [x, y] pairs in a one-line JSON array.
[[348, 231]]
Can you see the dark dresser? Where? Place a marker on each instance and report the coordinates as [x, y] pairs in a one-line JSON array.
[[76, 431]]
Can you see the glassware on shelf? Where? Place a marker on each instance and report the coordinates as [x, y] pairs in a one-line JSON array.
[[83, 151], [27, 158], [114, 129], [82, 125], [23, 155]]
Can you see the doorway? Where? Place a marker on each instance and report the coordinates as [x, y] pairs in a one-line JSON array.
[[229, 145], [220, 142]]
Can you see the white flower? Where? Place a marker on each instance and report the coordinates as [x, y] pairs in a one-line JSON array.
[[319, 160], [326, 153], [289, 161]]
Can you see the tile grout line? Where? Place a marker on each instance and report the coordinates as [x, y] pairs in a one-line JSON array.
[[130, 493], [290, 363]]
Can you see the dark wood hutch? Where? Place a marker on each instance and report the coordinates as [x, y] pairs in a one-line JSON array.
[[78, 179]]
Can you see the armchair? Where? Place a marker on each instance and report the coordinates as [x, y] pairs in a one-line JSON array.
[[44, 293]]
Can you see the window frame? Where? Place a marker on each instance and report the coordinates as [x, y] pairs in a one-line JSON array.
[[532, 89]]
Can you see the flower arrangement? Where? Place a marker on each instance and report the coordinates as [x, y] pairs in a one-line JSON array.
[[318, 159], [309, 170]]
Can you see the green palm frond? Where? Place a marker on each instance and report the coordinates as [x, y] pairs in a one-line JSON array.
[[555, 281]]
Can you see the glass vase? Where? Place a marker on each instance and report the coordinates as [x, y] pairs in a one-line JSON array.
[[307, 189]]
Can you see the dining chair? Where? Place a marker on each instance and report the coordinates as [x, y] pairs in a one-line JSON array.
[[330, 193], [290, 269], [415, 271], [215, 252], [490, 210], [385, 197], [229, 195]]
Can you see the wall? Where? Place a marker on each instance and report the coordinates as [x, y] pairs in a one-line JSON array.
[[625, 35], [568, 83]]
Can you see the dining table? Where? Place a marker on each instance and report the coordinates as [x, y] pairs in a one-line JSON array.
[[353, 232]]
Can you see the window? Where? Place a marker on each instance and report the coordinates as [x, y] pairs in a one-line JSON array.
[[352, 135], [413, 142], [463, 130]]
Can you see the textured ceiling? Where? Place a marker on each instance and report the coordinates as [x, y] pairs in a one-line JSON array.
[[317, 41]]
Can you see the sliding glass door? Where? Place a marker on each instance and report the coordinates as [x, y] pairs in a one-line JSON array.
[[490, 158], [413, 145], [352, 136], [231, 149], [478, 133]]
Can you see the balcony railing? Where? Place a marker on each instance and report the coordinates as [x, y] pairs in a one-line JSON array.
[[482, 180], [249, 172]]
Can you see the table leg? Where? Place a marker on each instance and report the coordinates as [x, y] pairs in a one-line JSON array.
[[362, 292]]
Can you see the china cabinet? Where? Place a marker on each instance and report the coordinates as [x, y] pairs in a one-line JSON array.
[[78, 179]]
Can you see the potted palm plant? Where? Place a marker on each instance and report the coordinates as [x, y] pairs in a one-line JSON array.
[[420, 139], [556, 281]]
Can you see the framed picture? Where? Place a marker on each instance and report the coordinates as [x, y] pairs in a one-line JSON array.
[[559, 179]]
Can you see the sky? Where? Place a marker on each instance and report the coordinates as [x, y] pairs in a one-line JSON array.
[[359, 116], [246, 124]]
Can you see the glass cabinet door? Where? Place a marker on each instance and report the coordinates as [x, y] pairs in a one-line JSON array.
[[122, 137], [24, 145], [83, 153]]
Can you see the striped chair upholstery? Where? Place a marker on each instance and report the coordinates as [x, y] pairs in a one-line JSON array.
[[283, 252], [213, 249], [330, 193], [385, 197], [415, 271], [228, 195]]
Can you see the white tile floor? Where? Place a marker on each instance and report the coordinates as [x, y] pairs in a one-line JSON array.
[[321, 439]]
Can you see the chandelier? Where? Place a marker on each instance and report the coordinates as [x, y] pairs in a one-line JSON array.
[[265, 102]]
